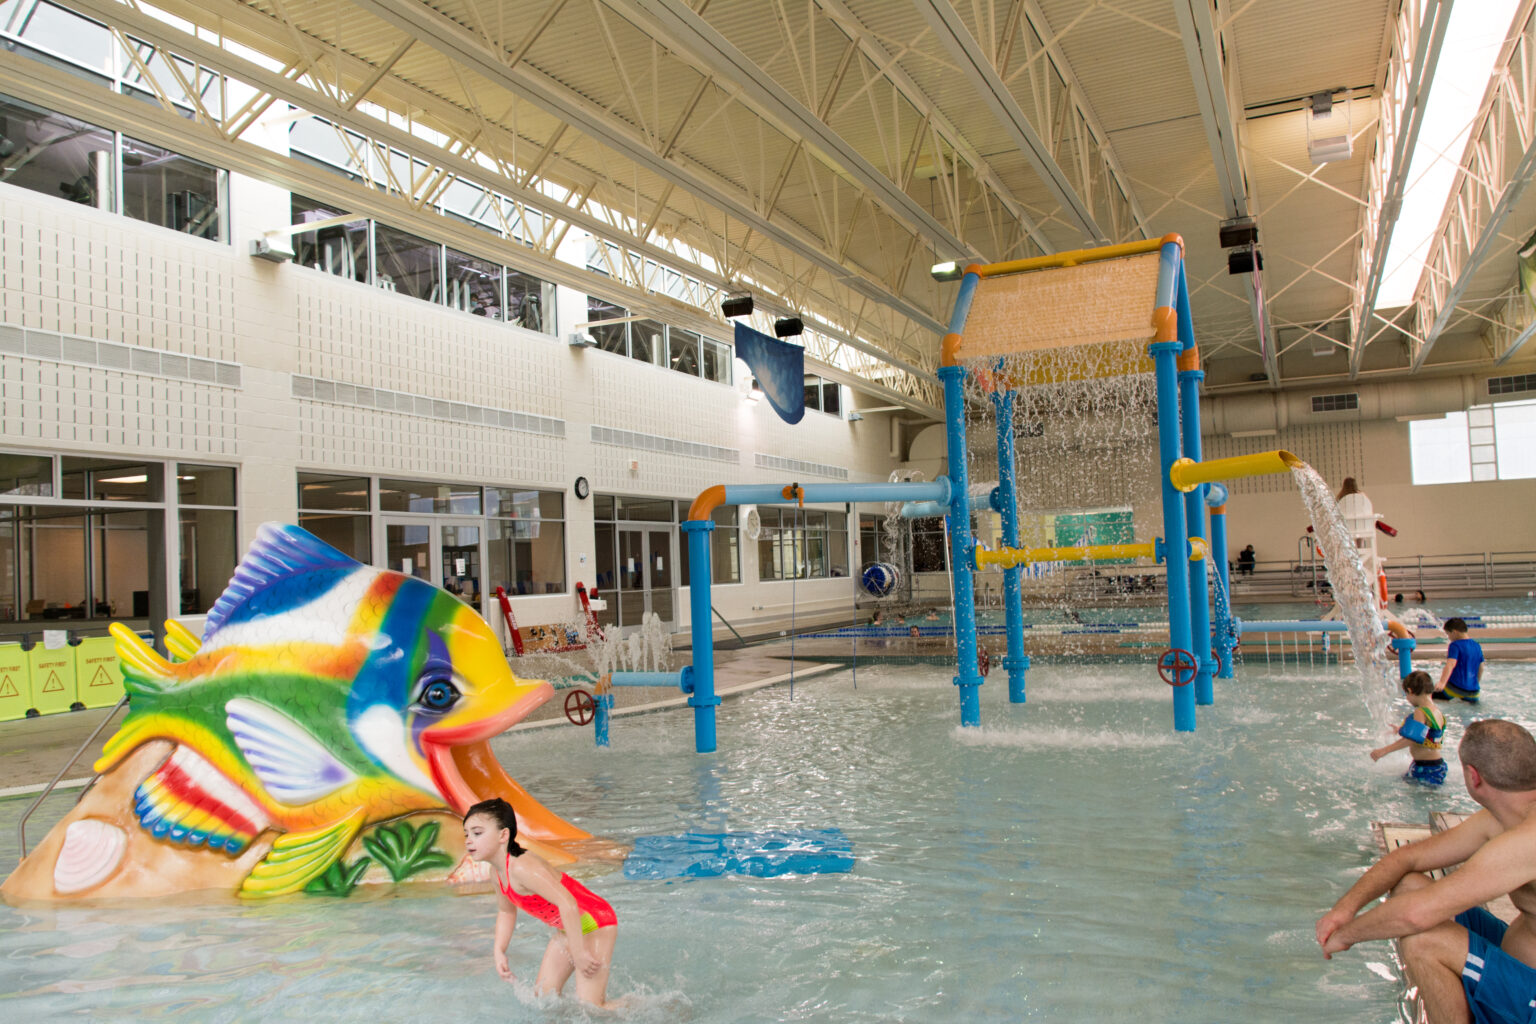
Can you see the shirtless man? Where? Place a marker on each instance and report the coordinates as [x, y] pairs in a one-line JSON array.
[[1467, 965]]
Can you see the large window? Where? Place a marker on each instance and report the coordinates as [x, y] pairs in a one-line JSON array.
[[61, 156], [802, 544], [527, 547], [329, 508], [1487, 442], [173, 191], [724, 548], [407, 263], [206, 495], [339, 249], [97, 549]]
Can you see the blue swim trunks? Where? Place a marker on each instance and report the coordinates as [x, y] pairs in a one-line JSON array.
[[1430, 773], [1500, 989]]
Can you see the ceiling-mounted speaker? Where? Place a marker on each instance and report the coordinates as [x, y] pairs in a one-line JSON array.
[[1245, 261], [789, 327], [739, 305], [1241, 231]]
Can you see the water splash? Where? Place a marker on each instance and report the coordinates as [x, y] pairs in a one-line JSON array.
[[1354, 591]]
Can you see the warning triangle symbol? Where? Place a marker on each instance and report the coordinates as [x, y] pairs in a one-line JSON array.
[[101, 678], [8, 688], [53, 684]]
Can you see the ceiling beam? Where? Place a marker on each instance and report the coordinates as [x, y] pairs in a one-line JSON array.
[[1212, 70], [680, 27], [1489, 184], [977, 70], [459, 45], [886, 65], [1414, 53]]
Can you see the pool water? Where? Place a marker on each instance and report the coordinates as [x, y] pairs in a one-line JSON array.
[[1072, 860]]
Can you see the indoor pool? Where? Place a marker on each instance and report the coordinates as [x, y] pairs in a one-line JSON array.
[[1072, 860]]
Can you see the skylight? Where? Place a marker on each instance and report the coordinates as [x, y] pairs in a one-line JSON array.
[[1473, 38]]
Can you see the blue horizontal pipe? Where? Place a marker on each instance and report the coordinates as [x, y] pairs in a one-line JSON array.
[[648, 678], [1294, 626], [767, 494], [924, 509]]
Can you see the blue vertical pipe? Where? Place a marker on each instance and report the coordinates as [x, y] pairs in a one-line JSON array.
[[1404, 646], [703, 699], [1216, 498], [604, 704], [1194, 517], [1164, 360], [1007, 506], [962, 544]]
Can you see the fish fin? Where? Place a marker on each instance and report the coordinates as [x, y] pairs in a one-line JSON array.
[[144, 670], [296, 858], [280, 551], [291, 763], [180, 642], [187, 800]]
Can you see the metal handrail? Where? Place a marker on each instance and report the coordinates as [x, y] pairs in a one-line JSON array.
[[21, 826]]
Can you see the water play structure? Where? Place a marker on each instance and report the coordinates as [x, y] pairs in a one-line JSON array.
[[1086, 314]]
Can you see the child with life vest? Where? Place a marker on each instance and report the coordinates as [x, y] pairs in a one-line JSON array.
[[585, 925], [1420, 732]]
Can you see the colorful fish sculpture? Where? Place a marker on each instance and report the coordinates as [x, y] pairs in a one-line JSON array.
[[325, 696]]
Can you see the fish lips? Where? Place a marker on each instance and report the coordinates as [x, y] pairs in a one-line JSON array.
[[466, 746]]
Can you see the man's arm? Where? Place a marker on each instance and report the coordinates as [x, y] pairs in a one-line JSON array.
[[1441, 850], [1505, 862]]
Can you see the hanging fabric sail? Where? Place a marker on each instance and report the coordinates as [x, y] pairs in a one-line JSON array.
[[779, 367]]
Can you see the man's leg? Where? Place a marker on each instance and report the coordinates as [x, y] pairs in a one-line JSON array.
[[1435, 959]]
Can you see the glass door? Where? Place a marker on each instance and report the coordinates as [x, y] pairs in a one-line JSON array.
[[645, 574], [447, 553]]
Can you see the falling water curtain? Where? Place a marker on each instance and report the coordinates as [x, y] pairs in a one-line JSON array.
[[779, 368]]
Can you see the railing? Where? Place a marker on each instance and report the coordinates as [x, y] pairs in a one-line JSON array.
[[1510, 573]]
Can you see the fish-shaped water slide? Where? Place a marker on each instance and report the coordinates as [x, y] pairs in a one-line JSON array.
[[325, 697]]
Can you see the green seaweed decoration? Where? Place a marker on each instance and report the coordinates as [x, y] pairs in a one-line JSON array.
[[404, 850], [338, 880]]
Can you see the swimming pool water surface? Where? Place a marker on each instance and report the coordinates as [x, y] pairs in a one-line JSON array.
[[1072, 860]]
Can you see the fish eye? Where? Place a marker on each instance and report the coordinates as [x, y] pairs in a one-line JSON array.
[[438, 695]]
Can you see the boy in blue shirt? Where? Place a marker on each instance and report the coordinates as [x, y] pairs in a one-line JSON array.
[[1462, 675]]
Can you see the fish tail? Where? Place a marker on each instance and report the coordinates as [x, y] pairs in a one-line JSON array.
[[180, 641], [144, 670]]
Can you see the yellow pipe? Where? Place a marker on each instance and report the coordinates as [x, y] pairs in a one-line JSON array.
[[1069, 259], [1187, 474], [1010, 557]]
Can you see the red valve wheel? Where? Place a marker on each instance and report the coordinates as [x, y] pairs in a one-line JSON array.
[[580, 708], [983, 661], [1220, 664], [1173, 665]]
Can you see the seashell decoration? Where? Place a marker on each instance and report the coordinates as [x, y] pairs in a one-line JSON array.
[[470, 871], [90, 855]]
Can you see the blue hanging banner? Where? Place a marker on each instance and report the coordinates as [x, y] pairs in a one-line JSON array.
[[779, 367]]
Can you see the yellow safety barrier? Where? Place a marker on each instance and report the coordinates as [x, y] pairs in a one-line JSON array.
[[15, 682], [1010, 557], [98, 675], [1187, 474], [53, 678]]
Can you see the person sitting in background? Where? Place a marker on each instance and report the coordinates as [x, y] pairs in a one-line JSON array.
[[1245, 560]]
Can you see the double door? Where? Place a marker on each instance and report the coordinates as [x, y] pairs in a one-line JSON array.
[[444, 551], [645, 573]]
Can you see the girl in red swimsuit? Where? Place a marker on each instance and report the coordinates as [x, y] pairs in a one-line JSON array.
[[585, 924]]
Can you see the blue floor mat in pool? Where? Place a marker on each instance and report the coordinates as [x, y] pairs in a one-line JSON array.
[[758, 854]]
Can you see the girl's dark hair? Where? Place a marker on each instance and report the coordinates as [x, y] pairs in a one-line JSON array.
[[1418, 683], [502, 812]]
